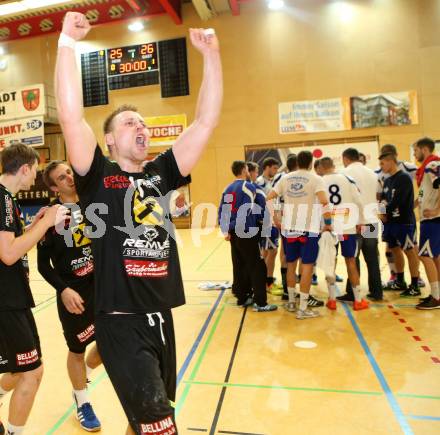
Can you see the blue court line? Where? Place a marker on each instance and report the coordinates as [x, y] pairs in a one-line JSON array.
[[381, 378], [198, 339], [423, 417]]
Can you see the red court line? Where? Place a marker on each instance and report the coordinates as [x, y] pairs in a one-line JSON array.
[[435, 359]]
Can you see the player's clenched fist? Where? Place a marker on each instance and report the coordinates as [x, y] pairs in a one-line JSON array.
[[204, 40], [76, 25]]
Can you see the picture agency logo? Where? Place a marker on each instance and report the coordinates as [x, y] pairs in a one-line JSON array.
[[144, 207]]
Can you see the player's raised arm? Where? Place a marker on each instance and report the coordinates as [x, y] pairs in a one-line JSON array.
[[191, 143], [79, 137]]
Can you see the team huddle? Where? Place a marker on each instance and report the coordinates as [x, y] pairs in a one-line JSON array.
[[316, 212]]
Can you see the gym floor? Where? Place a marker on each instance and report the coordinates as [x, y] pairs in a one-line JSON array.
[[239, 372]]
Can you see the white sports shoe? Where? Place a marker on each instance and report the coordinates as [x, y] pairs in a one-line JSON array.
[[290, 306], [306, 314]]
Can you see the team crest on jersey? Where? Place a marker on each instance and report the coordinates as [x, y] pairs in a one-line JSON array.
[[147, 211], [297, 186]]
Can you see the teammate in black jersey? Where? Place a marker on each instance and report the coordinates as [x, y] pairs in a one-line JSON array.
[[67, 264], [137, 272], [400, 223], [20, 353]]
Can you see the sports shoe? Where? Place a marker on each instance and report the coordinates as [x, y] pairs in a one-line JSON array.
[[246, 303], [374, 298], [411, 292], [345, 298], [273, 290], [421, 283], [314, 279], [430, 304], [339, 278], [306, 314], [87, 418], [313, 302], [290, 307], [331, 304], [428, 298], [2, 429], [396, 285], [362, 305], [267, 307]]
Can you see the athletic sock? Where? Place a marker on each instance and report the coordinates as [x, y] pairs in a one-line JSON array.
[[303, 299], [291, 291], [81, 397], [390, 259], [14, 430], [435, 289], [284, 278], [415, 281], [400, 276], [331, 291], [357, 294]]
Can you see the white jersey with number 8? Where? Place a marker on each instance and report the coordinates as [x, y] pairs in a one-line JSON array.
[[344, 195]]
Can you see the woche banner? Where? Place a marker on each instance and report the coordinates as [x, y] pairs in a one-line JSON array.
[[314, 116], [22, 102], [164, 130], [29, 131]]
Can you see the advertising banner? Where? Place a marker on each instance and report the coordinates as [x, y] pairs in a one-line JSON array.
[[164, 130]]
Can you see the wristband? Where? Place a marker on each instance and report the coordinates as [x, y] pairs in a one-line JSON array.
[[327, 221], [66, 41]]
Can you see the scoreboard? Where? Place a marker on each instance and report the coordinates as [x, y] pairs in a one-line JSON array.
[[153, 63]]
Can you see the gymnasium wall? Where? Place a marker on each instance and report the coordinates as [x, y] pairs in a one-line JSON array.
[[269, 57]]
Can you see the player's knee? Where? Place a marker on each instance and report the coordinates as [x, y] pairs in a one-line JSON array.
[[153, 400]]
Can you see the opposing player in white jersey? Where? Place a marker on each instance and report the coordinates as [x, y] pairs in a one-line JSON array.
[[269, 244], [347, 208], [428, 179], [410, 169], [304, 196]]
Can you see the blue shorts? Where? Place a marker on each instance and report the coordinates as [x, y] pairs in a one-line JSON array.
[[304, 246], [349, 246], [429, 245], [400, 235], [272, 241]]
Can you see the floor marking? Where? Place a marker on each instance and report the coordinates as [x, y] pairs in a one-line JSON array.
[[305, 344], [424, 417], [380, 376], [198, 339], [239, 433], [228, 374], [416, 337], [209, 256], [280, 387], [195, 370], [196, 429]]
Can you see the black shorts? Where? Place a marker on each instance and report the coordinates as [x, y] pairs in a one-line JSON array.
[[19, 342], [78, 329], [139, 354]]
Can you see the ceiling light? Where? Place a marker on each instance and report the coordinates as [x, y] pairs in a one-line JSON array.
[[137, 26], [275, 4]]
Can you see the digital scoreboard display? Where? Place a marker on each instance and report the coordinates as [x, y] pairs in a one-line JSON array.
[[132, 59], [152, 63]]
